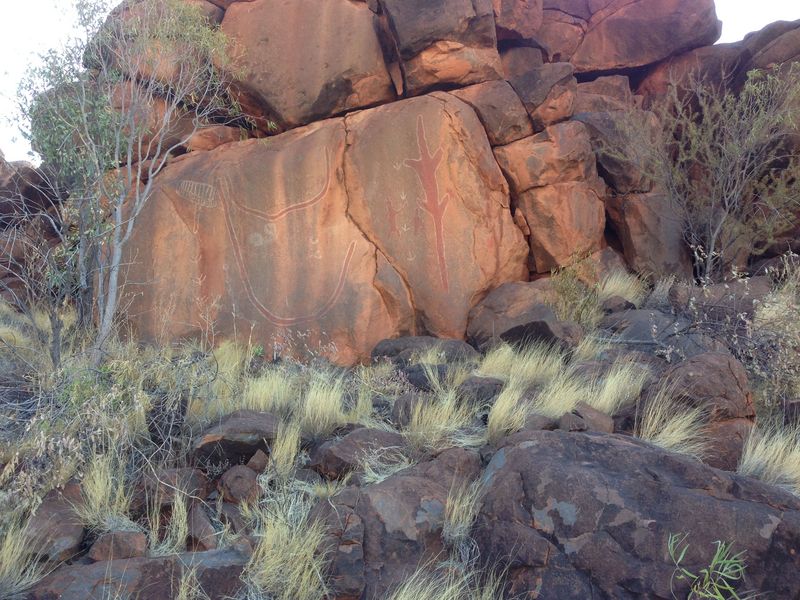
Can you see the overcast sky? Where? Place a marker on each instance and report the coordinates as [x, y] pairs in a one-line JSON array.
[[29, 27]]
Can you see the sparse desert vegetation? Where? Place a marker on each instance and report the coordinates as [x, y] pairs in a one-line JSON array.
[[455, 311]]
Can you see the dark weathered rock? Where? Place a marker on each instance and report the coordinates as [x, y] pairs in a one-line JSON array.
[[443, 41], [508, 306], [480, 391], [722, 302], [670, 336], [651, 233], [115, 545], [500, 110], [283, 79], [239, 485], [337, 458], [55, 532], [402, 351], [517, 19], [548, 93], [577, 516], [562, 334], [379, 534], [237, 437], [202, 535], [717, 383], [217, 573]]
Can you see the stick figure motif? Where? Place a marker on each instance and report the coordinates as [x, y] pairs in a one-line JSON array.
[[435, 205]]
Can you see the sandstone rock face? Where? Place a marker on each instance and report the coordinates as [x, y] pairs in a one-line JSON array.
[[500, 110], [563, 152], [650, 230], [294, 82], [619, 34], [548, 92], [332, 237], [517, 19], [444, 41], [609, 539]]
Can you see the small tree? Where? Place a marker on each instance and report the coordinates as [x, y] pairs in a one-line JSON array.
[[726, 161], [106, 112]]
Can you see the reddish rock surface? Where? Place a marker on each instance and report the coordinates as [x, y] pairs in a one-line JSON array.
[[115, 545], [500, 110], [217, 573], [517, 19], [651, 233], [444, 42], [295, 82], [309, 233], [381, 533], [562, 152], [619, 34]]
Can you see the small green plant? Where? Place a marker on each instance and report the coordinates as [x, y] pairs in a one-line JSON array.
[[717, 581]]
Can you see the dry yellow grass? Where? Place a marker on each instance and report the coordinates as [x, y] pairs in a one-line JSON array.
[[322, 409], [174, 536], [508, 413], [382, 463], [448, 583], [285, 450], [534, 364], [773, 456], [19, 567], [620, 387], [622, 284], [460, 511], [671, 426], [287, 562], [106, 498], [441, 421], [561, 394], [274, 390], [589, 348]]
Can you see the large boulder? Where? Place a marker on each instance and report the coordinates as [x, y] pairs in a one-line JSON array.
[[329, 238], [651, 232], [217, 572], [381, 533], [443, 42], [564, 221], [717, 383], [517, 19], [301, 60], [509, 306], [500, 110], [619, 34], [563, 152], [575, 516]]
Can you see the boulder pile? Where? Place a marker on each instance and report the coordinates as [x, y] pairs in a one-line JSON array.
[[426, 153]]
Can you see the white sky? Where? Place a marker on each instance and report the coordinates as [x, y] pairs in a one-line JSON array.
[[29, 27]]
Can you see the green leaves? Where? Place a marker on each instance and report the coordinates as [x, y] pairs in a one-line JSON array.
[[717, 581]]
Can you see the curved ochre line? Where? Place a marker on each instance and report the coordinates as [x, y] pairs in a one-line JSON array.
[[272, 217], [277, 320]]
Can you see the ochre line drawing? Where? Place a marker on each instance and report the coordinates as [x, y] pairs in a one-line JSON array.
[[391, 216], [276, 216], [435, 205], [225, 187], [202, 194]]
